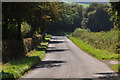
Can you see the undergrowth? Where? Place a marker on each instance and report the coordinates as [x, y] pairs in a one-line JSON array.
[[15, 69]]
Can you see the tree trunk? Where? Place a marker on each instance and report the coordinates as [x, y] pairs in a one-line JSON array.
[[4, 28], [21, 50]]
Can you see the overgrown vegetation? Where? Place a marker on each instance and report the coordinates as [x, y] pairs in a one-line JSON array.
[[100, 40], [25, 20], [70, 17], [99, 37], [41, 17], [115, 67], [115, 11], [25, 29], [21, 20], [99, 54], [15, 69]]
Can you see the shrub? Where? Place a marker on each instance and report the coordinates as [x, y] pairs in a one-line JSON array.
[[99, 54], [100, 40], [16, 68]]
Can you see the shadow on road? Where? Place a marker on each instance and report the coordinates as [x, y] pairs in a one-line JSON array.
[[49, 64], [52, 47], [54, 42], [41, 49], [108, 76], [56, 50]]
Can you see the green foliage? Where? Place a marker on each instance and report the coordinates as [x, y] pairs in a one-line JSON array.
[[48, 36], [70, 17], [15, 69], [25, 28], [24, 20], [18, 68], [100, 40], [96, 18], [44, 43], [116, 67], [31, 17], [99, 54], [83, 4], [115, 11], [79, 31]]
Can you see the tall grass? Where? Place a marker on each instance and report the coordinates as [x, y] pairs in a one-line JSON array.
[[102, 45], [13, 70], [99, 54], [100, 40], [115, 67]]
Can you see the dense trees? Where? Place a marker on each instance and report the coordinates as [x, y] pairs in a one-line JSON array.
[[115, 11], [60, 16], [70, 17], [27, 19], [14, 14], [96, 18]]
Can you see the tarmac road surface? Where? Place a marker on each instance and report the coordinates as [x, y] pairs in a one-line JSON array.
[[65, 60]]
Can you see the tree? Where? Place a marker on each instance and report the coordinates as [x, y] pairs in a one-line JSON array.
[[12, 17], [115, 11], [14, 13], [70, 17], [96, 18]]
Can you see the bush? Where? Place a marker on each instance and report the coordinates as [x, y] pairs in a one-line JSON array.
[[99, 54], [100, 40], [79, 32], [25, 28], [14, 69], [14, 49]]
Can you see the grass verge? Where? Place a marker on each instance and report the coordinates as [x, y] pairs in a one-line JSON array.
[[99, 54], [115, 67], [15, 69]]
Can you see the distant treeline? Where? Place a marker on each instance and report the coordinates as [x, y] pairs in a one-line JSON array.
[[97, 17]]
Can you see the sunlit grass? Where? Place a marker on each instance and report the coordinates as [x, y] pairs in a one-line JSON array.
[[15, 69], [100, 40], [99, 54], [116, 67], [48, 36], [101, 45], [44, 43]]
